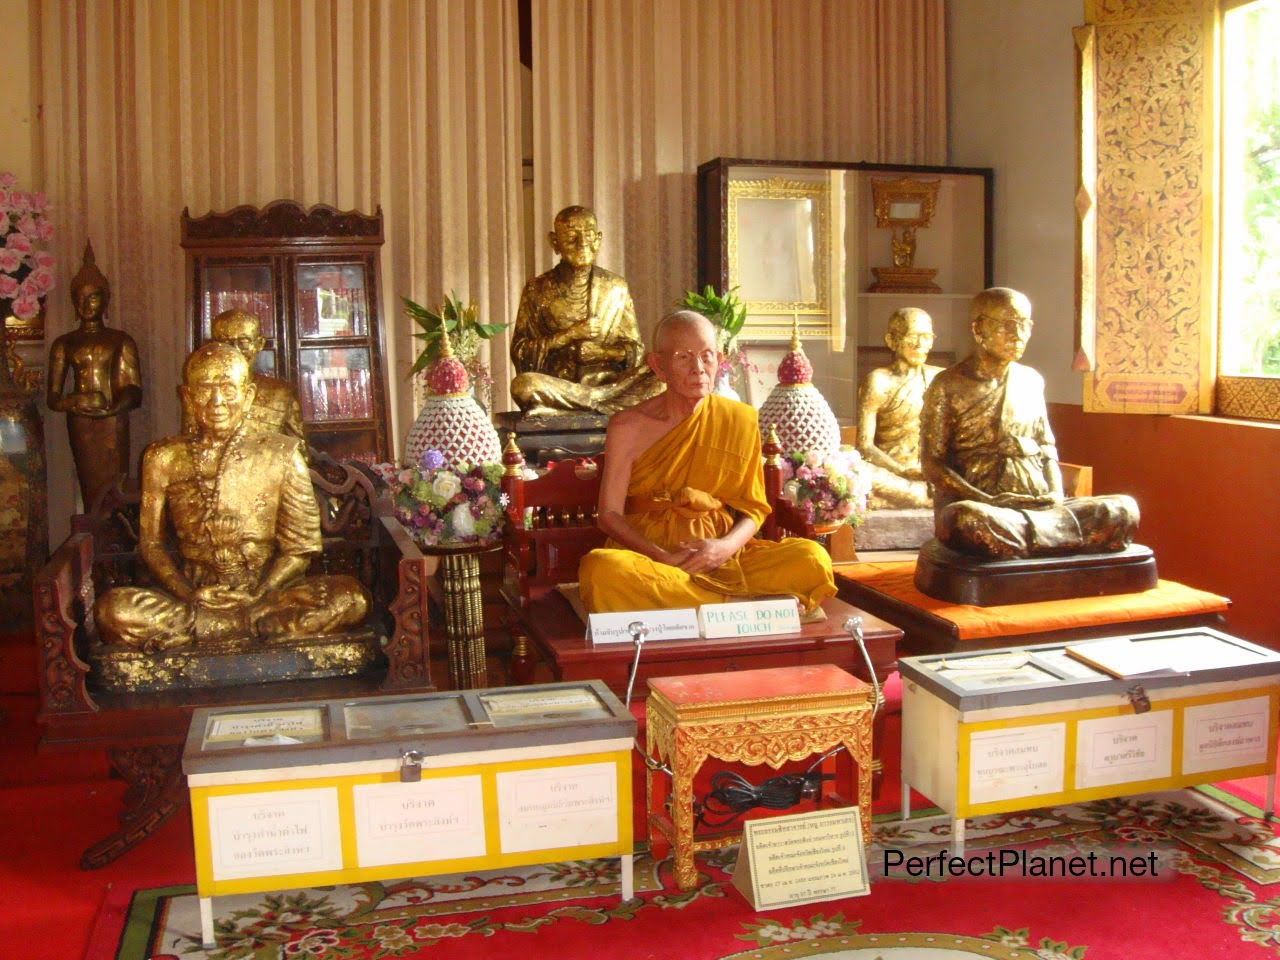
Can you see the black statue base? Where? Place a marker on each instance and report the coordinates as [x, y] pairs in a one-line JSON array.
[[559, 436], [945, 574]]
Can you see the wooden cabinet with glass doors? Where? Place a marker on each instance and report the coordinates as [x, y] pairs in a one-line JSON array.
[[311, 278]]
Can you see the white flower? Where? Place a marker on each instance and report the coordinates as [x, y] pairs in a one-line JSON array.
[[445, 485], [464, 525], [791, 490]]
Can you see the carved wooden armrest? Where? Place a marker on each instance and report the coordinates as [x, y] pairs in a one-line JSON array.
[[64, 595], [404, 590]]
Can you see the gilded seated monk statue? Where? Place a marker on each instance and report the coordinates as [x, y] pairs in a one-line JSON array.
[[275, 402], [989, 455], [105, 384], [244, 516], [576, 346], [889, 403], [682, 496]]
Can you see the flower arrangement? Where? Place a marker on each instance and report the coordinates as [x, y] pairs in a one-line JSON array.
[[829, 489], [465, 332], [442, 505], [26, 273]]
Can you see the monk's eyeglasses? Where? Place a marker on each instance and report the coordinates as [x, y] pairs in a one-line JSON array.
[[687, 358], [1010, 323]]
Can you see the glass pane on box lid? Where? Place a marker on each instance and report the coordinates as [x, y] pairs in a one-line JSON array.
[[521, 708]]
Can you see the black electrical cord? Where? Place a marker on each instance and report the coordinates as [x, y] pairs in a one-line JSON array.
[[731, 796]]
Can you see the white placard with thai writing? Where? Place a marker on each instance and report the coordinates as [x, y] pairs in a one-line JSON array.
[[750, 618], [1016, 762], [681, 624], [274, 832], [1231, 733], [571, 806], [802, 858], [1124, 749], [436, 819]]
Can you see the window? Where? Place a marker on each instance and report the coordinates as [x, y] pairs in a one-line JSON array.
[[1249, 300]]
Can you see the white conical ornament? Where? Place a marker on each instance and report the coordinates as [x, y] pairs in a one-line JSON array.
[[801, 414], [450, 420]]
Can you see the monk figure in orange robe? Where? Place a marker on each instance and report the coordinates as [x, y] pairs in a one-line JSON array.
[[682, 496]]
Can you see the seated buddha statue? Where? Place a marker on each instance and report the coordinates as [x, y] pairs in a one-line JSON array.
[[990, 458], [889, 402], [243, 514], [575, 345], [275, 402]]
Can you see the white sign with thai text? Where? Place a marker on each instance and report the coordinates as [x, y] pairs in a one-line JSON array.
[[1124, 749], [435, 819], [679, 624], [272, 832], [554, 807], [1232, 733], [1016, 762]]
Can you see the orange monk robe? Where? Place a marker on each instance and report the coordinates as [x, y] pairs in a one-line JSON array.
[[692, 484]]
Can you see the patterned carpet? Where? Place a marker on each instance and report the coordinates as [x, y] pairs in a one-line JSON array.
[[1214, 893]]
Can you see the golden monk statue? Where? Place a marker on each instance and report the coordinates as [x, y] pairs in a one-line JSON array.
[[275, 404], [245, 520], [683, 494], [989, 455], [889, 403], [105, 384], [576, 345]]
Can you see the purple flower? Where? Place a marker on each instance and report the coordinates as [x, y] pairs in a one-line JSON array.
[[432, 460]]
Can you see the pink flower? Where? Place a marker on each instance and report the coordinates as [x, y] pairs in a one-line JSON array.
[[19, 242], [42, 278], [24, 308], [8, 180], [45, 231], [803, 473], [8, 286], [44, 259], [9, 260]]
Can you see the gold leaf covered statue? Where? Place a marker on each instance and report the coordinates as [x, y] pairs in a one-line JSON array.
[[244, 516], [105, 384], [989, 455], [275, 403], [576, 345], [889, 403]]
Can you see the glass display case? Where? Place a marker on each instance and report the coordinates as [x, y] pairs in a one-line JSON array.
[[839, 247], [311, 278]]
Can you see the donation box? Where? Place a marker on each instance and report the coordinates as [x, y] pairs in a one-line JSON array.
[[999, 730], [341, 791]]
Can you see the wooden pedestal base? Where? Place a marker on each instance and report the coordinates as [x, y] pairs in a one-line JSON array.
[[947, 575]]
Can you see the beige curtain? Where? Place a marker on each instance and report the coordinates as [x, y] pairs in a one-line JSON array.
[[149, 107], [629, 96]]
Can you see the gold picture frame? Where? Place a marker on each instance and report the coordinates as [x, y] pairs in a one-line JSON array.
[[778, 234]]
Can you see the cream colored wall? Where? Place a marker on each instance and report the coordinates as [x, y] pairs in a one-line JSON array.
[[1012, 91], [17, 106]]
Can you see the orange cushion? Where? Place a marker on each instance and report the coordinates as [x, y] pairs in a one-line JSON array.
[[1166, 599]]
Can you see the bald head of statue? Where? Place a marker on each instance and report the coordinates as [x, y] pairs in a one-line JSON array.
[[216, 388]]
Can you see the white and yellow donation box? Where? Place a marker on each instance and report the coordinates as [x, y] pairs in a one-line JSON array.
[[341, 791], [999, 730]]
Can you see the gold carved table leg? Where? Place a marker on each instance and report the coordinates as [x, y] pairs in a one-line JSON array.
[[464, 620], [689, 757]]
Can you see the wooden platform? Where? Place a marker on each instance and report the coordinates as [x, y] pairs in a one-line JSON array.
[[937, 626], [816, 643]]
